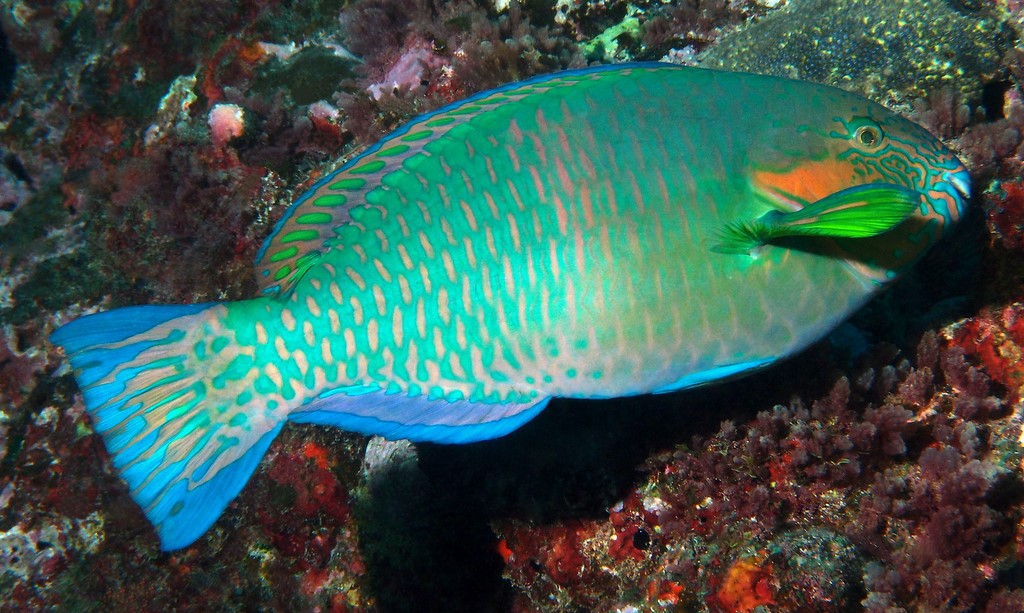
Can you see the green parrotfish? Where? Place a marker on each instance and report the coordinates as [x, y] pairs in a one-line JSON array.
[[604, 232]]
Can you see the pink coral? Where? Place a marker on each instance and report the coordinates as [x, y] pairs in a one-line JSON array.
[[410, 70], [227, 121]]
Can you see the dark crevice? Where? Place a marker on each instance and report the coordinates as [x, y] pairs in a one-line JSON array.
[[992, 99], [14, 165], [8, 66]]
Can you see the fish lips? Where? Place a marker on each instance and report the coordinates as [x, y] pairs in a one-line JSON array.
[[961, 182], [955, 186]]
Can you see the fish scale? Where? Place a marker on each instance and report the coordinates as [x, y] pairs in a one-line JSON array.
[[613, 231]]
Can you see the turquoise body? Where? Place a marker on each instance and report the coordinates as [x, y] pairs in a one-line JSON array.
[[551, 238]]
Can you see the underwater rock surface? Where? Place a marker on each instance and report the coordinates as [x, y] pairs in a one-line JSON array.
[[884, 474], [880, 48]]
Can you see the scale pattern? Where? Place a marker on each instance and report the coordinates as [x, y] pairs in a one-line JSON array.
[[551, 238]]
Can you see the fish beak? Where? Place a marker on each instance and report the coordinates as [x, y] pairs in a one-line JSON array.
[[955, 190], [961, 181]]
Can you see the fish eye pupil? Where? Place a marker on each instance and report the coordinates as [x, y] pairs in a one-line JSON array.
[[868, 136]]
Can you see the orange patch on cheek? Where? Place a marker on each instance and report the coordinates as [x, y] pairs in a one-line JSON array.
[[810, 181]]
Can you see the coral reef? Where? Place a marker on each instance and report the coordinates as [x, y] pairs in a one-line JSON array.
[[891, 490], [147, 148]]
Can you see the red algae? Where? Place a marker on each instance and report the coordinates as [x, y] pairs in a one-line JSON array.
[[995, 339], [315, 500], [892, 484], [909, 486], [1008, 215]]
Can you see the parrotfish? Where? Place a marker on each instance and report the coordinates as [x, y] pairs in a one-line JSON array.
[[604, 232]]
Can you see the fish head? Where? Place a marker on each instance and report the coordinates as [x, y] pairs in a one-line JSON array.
[[847, 141]]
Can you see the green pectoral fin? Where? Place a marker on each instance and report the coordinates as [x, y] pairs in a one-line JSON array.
[[856, 212]]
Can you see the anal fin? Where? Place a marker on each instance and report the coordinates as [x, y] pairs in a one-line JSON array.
[[420, 418]]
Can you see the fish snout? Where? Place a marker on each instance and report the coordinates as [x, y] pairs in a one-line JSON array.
[[951, 194], [960, 179]]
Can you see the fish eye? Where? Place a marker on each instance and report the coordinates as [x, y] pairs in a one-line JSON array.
[[869, 135]]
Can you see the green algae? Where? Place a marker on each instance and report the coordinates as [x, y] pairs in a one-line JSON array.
[[299, 20], [50, 282], [30, 222], [57, 283], [605, 46], [881, 48], [312, 74]]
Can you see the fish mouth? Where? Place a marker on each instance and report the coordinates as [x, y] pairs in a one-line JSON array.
[[953, 195], [961, 182]]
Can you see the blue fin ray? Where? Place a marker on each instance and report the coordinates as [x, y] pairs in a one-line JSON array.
[[396, 416], [165, 426], [715, 374]]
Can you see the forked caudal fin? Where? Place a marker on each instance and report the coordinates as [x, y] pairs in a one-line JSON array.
[[176, 436]]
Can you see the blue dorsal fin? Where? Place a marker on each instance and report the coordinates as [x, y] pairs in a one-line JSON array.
[[420, 418], [308, 228]]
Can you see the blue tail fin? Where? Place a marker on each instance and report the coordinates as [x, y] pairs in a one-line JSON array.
[[155, 386]]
